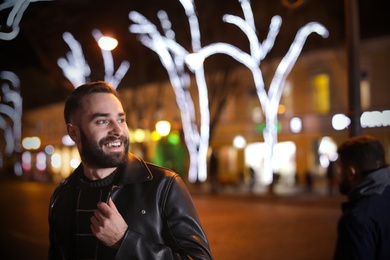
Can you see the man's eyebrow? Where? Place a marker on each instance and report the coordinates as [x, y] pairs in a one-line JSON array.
[[106, 115], [100, 115]]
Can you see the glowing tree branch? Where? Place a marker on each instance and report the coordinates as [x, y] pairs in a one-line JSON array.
[[270, 101], [258, 51], [109, 75], [76, 69], [11, 108], [14, 17], [172, 55]]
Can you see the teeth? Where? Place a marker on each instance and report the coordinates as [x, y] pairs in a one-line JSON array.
[[116, 144]]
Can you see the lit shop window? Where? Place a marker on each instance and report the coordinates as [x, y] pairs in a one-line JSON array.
[[320, 84], [365, 91]]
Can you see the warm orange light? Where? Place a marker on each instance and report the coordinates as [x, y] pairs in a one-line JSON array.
[[107, 43], [281, 109]]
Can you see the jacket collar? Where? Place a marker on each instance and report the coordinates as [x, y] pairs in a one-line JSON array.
[[135, 170], [373, 183]]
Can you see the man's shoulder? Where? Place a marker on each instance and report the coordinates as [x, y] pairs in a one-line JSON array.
[[137, 165], [371, 206], [160, 171]]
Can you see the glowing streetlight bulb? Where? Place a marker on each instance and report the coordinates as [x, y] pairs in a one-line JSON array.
[[107, 43]]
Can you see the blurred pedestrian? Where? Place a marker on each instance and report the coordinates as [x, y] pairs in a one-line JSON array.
[[252, 179], [364, 227], [115, 205], [309, 181], [331, 175], [214, 161]]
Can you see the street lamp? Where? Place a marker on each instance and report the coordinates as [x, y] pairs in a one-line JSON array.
[[107, 43], [352, 45]]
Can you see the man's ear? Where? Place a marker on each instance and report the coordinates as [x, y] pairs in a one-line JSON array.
[[73, 132], [355, 173]]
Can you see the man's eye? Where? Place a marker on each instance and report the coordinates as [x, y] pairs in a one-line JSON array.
[[122, 120], [101, 122]]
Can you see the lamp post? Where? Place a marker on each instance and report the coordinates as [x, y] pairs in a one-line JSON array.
[[352, 45]]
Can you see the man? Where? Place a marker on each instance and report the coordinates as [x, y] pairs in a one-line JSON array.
[[364, 228], [115, 205]]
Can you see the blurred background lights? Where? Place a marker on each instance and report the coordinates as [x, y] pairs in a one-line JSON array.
[[139, 135], [107, 43], [327, 146], [281, 109], [29, 143], [257, 115], [26, 161], [375, 118], [296, 125], [40, 163], [340, 121], [239, 142], [154, 136], [56, 160], [327, 150], [49, 149], [67, 141], [174, 138], [74, 163], [163, 128]]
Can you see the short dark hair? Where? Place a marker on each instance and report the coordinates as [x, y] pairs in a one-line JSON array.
[[74, 103], [364, 152]]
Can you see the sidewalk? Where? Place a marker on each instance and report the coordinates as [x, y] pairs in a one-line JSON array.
[[279, 189]]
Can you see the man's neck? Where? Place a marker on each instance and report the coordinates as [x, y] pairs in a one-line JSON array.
[[97, 173]]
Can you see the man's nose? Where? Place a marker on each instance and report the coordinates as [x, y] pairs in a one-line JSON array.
[[116, 128]]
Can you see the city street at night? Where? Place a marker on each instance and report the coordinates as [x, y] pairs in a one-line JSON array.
[[239, 226], [252, 103]]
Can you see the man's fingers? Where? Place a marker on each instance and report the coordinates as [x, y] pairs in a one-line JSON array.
[[104, 208], [94, 225], [111, 204]]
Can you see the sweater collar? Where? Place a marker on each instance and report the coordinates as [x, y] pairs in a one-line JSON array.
[[135, 170]]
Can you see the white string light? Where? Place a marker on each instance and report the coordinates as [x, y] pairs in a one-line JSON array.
[[169, 51]]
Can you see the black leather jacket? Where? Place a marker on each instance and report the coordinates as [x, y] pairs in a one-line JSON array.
[[157, 207]]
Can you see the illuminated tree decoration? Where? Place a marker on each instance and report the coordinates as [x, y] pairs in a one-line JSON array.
[[14, 17], [173, 57], [11, 104], [76, 69]]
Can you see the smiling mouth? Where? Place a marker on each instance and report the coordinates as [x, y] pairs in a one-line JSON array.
[[114, 144]]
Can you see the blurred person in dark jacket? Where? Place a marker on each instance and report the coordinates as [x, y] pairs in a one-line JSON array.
[[364, 227], [115, 205]]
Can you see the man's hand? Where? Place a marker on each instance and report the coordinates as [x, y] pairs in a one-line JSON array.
[[108, 225]]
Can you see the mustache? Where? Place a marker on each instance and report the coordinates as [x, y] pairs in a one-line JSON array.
[[108, 139]]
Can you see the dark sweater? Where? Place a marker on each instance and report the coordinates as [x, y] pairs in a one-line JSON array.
[[89, 193]]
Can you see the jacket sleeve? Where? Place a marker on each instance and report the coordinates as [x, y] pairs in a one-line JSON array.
[[356, 238], [184, 237]]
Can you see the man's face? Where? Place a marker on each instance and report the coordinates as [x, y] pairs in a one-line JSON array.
[[103, 133]]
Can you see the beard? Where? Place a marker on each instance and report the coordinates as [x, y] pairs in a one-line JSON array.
[[345, 187], [93, 154]]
